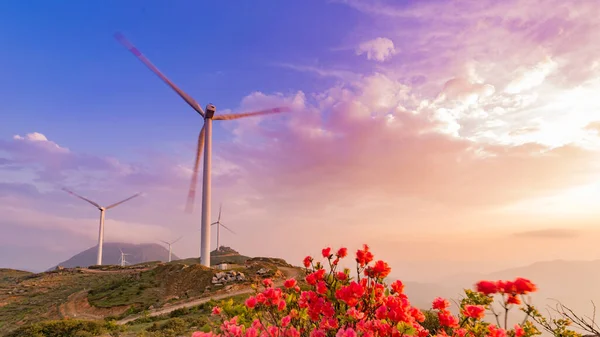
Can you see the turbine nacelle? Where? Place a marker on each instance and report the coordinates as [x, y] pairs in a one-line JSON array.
[[210, 111]]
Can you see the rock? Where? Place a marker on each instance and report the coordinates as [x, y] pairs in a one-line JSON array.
[[218, 284]]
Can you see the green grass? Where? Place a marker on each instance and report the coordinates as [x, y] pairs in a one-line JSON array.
[[139, 289], [41, 302]]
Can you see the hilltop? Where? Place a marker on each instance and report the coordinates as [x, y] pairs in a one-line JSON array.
[[107, 292], [111, 254]]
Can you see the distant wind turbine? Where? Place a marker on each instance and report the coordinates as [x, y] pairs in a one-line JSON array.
[[102, 211], [204, 140], [219, 225], [169, 244], [123, 262]]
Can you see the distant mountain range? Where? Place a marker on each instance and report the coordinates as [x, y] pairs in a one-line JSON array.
[[111, 254], [573, 283]]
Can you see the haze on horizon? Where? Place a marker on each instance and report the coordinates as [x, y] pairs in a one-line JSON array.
[[451, 137]]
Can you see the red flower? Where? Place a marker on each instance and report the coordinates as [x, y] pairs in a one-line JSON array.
[[524, 286], [496, 331], [350, 293], [440, 303], [364, 256], [398, 287], [379, 270], [307, 261], [446, 319], [290, 283], [342, 253], [512, 299], [321, 287], [506, 287], [486, 287], [474, 311], [216, 310], [326, 252], [340, 275], [267, 283]]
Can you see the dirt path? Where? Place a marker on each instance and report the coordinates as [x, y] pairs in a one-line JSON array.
[[69, 308], [289, 272]]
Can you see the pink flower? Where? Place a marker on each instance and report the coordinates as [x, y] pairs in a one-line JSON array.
[[285, 321], [349, 332], [267, 282], [519, 331], [251, 302]]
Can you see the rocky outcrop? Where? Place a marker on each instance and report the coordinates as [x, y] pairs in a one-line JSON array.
[[228, 277]]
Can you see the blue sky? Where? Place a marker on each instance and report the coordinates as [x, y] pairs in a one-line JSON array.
[[64, 71], [450, 121]]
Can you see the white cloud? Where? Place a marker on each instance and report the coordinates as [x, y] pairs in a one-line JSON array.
[[531, 78], [379, 49]]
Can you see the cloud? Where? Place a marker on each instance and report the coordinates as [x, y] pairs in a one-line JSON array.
[[361, 139], [490, 103], [531, 78], [549, 233], [378, 49]]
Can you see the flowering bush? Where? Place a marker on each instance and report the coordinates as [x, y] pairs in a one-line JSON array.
[[338, 304]]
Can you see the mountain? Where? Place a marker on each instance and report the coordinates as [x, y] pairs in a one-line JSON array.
[[112, 255], [572, 283]]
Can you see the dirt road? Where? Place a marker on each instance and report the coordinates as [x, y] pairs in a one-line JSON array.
[[289, 272]]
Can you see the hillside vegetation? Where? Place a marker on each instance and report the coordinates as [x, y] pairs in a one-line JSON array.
[[37, 303]]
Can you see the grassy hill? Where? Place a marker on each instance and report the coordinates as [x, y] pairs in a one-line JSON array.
[[101, 293]]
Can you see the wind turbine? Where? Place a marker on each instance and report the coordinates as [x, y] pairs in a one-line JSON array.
[[219, 225], [123, 262], [204, 140], [169, 244], [102, 211]]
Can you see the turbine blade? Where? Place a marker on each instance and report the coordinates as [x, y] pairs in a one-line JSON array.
[[80, 197], [181, 237], [214, 223], [227, 228], [122, 201], [227, 117], [219, 218], [192, 192], [121, 38], [164, 241]]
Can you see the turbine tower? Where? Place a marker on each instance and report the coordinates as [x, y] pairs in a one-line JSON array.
[[123, 262], [204, 141], [169, 244], [102, 211], [219, 225]]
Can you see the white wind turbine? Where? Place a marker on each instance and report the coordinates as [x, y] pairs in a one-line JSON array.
[[102, 211], [169, 244], [219, 225], [123, 262], [204, 141]]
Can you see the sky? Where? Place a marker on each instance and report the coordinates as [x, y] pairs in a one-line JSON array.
[[450, 136]]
